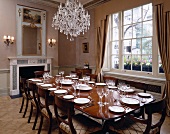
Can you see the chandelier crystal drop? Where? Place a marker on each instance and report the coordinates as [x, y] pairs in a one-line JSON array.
[[71, 19]]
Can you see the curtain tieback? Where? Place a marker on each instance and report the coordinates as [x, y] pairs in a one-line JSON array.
[[168, 77]]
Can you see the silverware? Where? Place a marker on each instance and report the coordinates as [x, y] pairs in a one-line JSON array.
[[87, 105]]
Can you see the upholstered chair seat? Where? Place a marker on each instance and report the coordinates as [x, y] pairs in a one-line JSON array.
[[82, 125]]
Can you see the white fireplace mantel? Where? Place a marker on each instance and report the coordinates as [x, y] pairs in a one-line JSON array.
[[17, 62]]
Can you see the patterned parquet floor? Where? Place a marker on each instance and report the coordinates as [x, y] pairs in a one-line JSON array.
[[12, 122]]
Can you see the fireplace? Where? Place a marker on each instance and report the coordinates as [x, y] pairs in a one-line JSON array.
[[25, 68], [28, 72]]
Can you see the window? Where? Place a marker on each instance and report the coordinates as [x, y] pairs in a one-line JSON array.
[[132, 44]]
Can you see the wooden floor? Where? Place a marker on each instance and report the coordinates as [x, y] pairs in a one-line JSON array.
[[11, 121]]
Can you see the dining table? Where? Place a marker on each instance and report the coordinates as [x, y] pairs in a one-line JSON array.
[[116, 104]]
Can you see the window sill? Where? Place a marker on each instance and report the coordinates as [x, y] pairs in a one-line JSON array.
[[145, 79]]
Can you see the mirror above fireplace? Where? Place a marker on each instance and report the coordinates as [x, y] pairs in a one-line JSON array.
[[31, 32]]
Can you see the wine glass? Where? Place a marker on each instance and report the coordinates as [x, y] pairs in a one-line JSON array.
[[100, 94], [74, 85], [116, 96], [57, 80], [61, 81], [61, 73], [106, 93]]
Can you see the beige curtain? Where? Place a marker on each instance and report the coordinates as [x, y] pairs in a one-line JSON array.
[[100, 46], [163, 35]]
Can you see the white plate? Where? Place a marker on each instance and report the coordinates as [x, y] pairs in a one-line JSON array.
[[67, 83], [39, 83], [37, 80], [144, 94], [82, 100], [68, 97], [91, 82], [130, 90], [130, 101], [31, 79], [100, 84], [116, 109], [81, 79], [84, 88], [68, 76], [75, 78], [60, 91], [112, 87], [46, 85], [52, 89]]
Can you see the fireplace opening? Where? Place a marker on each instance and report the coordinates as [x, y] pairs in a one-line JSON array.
[[28, 72]]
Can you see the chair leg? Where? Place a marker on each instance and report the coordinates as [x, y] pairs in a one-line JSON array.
[[30, 113], [41, 122], [50, 126], [36, 118], [26, 108], [22, 105]]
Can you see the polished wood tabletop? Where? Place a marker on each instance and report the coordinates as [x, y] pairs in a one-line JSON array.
[[94, 110]]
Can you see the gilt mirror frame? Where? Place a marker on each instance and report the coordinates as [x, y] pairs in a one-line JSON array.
[[37, 20]]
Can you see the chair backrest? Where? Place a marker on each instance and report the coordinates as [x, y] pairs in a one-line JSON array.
[[40, 73], [44, 100], [67, 108], [110, 78], [155, 107], [93, 77], [79, 74]]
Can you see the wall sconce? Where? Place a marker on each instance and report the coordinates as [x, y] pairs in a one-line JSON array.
[[51, 42], [8, 40]]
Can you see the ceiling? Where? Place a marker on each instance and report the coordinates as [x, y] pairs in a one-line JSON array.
[[88, 4]]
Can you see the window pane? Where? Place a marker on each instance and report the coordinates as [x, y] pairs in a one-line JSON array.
[[136, 62], [147, 63], [147, 28], [115, 33], [127, 46], [137, 16], [127, 31], [137, 30], [115, 47], [136, 46], [115, 61], [127, 62], [115, 20], [127, 17], [147, 12], [160, 65], [147, 46]]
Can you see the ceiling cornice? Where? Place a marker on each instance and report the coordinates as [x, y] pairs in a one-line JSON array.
[[49, 3]]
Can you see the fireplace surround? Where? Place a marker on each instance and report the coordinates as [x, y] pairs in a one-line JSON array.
[[17, 63]]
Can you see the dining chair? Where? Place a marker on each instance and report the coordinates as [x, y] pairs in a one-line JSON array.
[[24, 90], [75, 123], [137, 125], [40, 73], [93, 77], [105, 78], [47, 108], [34, 103]]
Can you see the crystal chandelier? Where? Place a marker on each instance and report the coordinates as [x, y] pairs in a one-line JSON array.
[[71, 19]]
